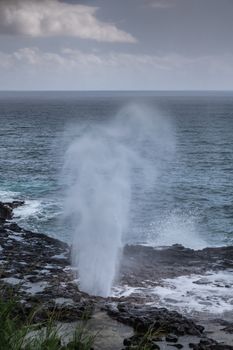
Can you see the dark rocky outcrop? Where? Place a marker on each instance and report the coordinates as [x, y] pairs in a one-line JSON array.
[[144, 318], [153, 325], [142, 263], [5, 212], [228, 329], [6, 209], [209, 344], [37, 269]]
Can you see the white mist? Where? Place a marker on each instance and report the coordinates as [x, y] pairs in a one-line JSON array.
[[103, 165]]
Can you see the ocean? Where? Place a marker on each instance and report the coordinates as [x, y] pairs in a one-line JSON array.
[[189, 199]]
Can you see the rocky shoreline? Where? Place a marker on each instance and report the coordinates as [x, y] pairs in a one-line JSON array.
[[38, 269]]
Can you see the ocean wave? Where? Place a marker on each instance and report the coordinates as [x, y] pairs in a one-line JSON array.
[[7, 195], [39, 210], [29, 209], [175, 228], [211, 292]]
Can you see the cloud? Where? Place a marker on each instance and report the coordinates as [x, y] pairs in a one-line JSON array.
[[41, 18], [162, 4], [69, 59], [31, 68]]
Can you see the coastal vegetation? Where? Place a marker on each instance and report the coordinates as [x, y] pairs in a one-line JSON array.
[[19, 332]]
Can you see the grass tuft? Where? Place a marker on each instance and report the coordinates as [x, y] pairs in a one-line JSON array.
[[18, 332]]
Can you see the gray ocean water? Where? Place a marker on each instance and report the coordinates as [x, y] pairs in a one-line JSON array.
[[192, 203]]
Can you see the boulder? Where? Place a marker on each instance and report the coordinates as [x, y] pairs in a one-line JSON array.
[[6, 212], [6, 209]]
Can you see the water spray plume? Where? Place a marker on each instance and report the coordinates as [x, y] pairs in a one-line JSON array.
[[103, 164]]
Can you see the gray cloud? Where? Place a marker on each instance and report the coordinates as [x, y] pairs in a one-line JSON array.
[[161, 4], [69, 59], [75, 69], [182, 44], [54, 18]]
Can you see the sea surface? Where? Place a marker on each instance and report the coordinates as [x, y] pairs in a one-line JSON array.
[[191, 201]]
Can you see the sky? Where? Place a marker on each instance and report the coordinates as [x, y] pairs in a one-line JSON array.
[[116, 44]]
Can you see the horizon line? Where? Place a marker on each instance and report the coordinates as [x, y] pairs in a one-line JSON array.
[[115, 90]]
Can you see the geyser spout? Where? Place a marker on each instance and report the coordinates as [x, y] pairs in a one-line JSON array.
[[101, 164], [100, 197]]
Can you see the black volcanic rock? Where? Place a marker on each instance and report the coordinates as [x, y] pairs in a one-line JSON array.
[[37, 269], [228, 329], [6, 209], [209, 344], [5, 212], [15, 204], [145, 318], [142, 263]]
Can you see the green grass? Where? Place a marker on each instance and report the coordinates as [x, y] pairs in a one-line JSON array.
[[148, 340], [17, 331], [20, 331]]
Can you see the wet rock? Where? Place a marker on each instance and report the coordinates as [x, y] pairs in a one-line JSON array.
[[142, 263], [14, 204], [140, 342], [6, 212], [155, 347], [127, 342], [171, 338], [145, 318], [228, 329], [151, 323], [37, 269], [209, 344], [6, 209]]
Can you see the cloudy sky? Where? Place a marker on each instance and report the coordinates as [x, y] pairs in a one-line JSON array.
[[116, 44]]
